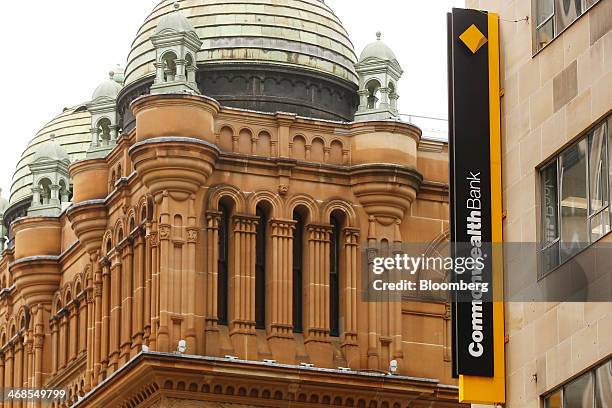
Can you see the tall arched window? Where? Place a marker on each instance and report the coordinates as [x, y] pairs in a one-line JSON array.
[[334, 276], [298, 245], [222, 273], [260, 269]]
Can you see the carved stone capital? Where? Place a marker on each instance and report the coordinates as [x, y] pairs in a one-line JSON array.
[[192, 234], [164, 232]]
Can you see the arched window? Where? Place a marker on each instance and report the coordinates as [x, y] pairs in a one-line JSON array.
[[298, 247], [45, 191], [104, 131], [373, 88], [260, 269], [169, 60], [334, 276], [222, 274]]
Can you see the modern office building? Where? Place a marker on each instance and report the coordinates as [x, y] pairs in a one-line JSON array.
[[193, 236], [556, 75]]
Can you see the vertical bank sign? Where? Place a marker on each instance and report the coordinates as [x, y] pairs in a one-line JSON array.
[[476, 215]]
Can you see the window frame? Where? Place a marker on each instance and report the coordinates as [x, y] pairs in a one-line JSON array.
[[542, 247], [584, 9], [223, 267], [591, 372], [261, 246]]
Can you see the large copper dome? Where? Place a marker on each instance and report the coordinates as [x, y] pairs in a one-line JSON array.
[[297, 33]]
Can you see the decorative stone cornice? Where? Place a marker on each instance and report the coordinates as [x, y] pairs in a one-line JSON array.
[[178, 165], [385, 191]]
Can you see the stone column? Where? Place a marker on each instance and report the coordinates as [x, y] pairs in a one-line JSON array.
[[94, 138], [115, 313], [317, 325], [180, 69], [152, 316], [73, 329], [63, 338], [373, 307], [159, 72], [105, 318], [8, 372], [191, 74], [189, 281], [363, 100], [18, 365], [36, 196], [163, 286], [126, 301], [242, 287], [318, 237], [384, 98], [90, 333], [54, 199], [139, 295], [213, 219], [280, 289], [82, 322], [350, 346], [55, 344]]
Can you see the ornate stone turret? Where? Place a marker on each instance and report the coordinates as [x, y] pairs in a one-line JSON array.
[[379, 73], [176, 47], [51, 185], [103, 111]]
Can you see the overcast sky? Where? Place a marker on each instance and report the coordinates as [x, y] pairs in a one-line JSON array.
[[56, 52]]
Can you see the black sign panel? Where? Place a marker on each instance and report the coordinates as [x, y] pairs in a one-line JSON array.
[[470, 179]]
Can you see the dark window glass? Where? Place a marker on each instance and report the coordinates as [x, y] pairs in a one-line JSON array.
[[566, 11], [334, 281], [579, 393], [603, 386], [298, 245], [222, 276], [544, 10], [574, 203], [260, 270]]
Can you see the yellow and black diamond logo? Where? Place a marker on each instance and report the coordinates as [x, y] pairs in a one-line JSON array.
[[473, 38]]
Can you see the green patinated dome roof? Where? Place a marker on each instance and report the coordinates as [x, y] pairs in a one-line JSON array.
[[303, 34], [378, 50], [108, 89], [72, 130], [50, 150]]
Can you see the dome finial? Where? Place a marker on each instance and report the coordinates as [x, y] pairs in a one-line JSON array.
[[378, 35], [176, 5]]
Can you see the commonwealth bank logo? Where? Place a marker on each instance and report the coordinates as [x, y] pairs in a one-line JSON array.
[[473, 38]]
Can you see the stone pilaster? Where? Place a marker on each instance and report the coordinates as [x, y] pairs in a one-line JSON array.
[[317, 327], [115, 313], [242, 286], [126, 300], [190, 283], [280, 290], [139, 292], [105, 318], [349, 288], [213, 219]]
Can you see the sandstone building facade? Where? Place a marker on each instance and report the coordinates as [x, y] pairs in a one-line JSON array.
[[194, 235], [556, 73]]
